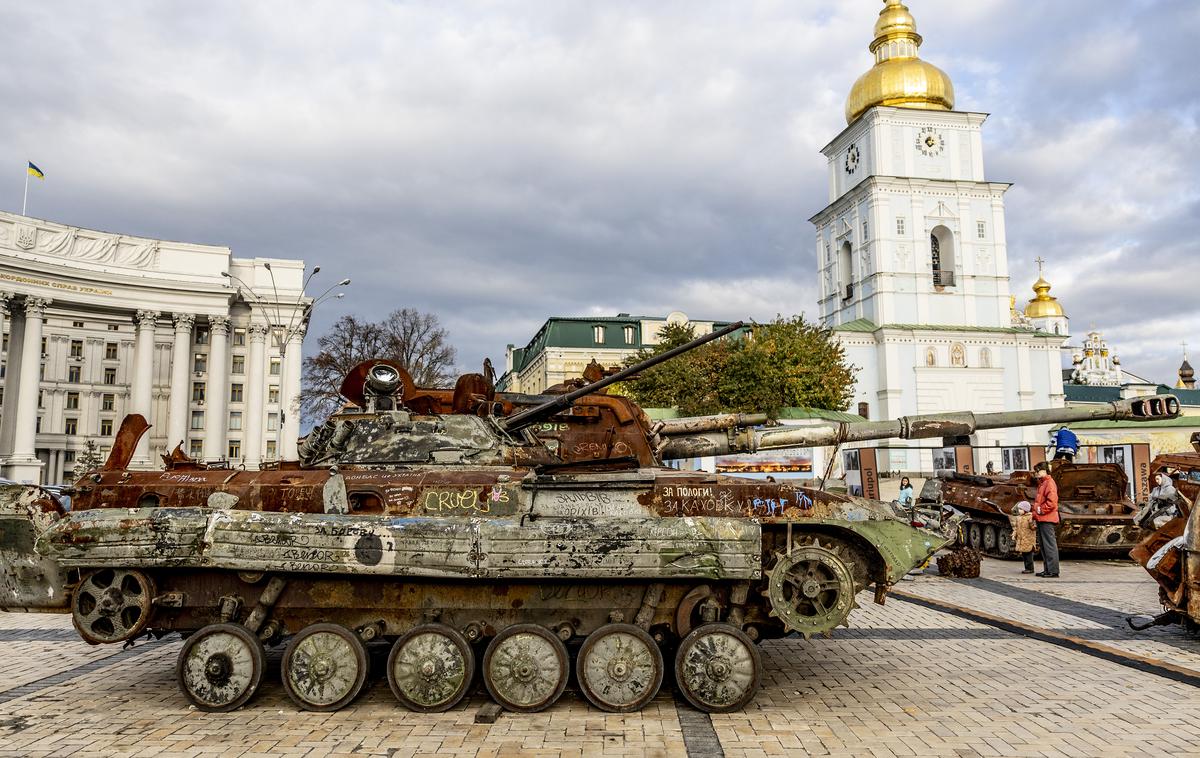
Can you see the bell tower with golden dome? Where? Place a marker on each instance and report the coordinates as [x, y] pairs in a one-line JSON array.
[[912, 254]]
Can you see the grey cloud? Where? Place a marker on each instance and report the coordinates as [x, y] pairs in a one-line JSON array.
[[498, 163]]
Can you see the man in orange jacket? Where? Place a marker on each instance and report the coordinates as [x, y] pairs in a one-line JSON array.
[[1045, 513]]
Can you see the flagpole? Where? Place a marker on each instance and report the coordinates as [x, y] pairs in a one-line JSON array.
[[25, 199]]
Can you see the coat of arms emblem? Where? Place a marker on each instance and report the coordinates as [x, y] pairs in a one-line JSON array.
[[26, 236]]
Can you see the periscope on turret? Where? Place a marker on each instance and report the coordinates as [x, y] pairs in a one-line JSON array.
[[465, 528]]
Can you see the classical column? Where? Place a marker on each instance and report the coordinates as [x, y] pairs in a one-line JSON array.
[[5, 301], [255, 376], [289, 404], [217, 392], [181, 389], [142, 383], [23, 464]]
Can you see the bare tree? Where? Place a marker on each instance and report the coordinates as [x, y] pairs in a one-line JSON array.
[[413, 339]]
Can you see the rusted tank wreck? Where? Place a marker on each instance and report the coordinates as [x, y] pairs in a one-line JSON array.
[[1171, 552], [1097, 515], [466, 529]]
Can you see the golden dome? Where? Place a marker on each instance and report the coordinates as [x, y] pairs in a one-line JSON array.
[[1043, 304], [899, 77]]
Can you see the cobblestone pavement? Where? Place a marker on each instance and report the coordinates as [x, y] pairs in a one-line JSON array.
[[906, 679]]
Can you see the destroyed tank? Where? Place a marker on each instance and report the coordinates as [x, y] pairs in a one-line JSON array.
[[468, 529], [1171, 551], [1097, 516]]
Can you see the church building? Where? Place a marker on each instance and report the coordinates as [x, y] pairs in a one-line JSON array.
[[913, 262]]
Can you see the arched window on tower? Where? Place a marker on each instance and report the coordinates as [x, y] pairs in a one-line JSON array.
[[846, 270], [958, 355], [941, 256]]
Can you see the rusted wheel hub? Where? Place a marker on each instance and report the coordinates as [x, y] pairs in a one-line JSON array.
[[112, 605], [718, 668], [430, 668], [619, 667]]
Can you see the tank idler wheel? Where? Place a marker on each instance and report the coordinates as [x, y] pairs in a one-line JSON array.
[[112, 605], [220, 667], [619, 667], [718, 668], [430, 668], [975, 535], [324, 667], [811, 589], [525, 668], [991, 539]]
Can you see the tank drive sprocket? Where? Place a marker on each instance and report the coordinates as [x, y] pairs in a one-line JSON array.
[[811, 589], [112, 605]]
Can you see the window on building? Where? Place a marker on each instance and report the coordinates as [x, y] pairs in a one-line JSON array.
[[273, 393], [73, 374], [77, 324], [270, 448], [981, 229], [275, 362], [114, 327], [941, 252], [235, 449], [235, 393], [195, 448], [108, 402], [630, 335], [72, 401], [44, 353], [76, 348], [900, 226], [239, 336], [110, 376], [235, 421], [272, 422], [41, 398], [68, 456], [70, 426], [106, 426], [197, 392], [197, 419], [110, 351], [200, 363], [238, 365], [201, 335], [866, 232], [37, 425], [598, 335]]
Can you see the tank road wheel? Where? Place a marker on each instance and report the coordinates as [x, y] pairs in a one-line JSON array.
[[974, 535], [220, 667], [718, 668], [991, 539], [620, 668], [811, 589], [430, 668], [1004, 543], [324, 667], [112, 605], [525, 668]]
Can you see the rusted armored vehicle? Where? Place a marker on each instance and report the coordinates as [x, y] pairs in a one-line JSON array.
[[1171, 552], [1097, 515], [468, 529]]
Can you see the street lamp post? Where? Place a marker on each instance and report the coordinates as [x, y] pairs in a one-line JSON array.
[[285, 332]]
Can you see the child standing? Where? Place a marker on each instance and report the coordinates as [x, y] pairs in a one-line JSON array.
[[1024, 534]]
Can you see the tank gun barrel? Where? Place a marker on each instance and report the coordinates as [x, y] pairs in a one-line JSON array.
[[727, 440], [545, 410]]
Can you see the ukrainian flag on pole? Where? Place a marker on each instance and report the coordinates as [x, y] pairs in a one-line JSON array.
[[31, 171], [35, 171]]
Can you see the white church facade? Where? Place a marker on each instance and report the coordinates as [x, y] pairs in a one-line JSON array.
[[913, 260]]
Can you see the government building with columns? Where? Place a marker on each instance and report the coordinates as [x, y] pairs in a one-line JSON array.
[[912, 258], [98, 325]]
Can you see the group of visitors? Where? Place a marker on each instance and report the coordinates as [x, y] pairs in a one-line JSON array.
[[1035, 524]]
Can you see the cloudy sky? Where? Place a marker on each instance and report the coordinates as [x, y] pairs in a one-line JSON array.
[[498, 162]]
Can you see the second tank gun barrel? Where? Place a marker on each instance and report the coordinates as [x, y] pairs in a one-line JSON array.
[[737, 438]]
